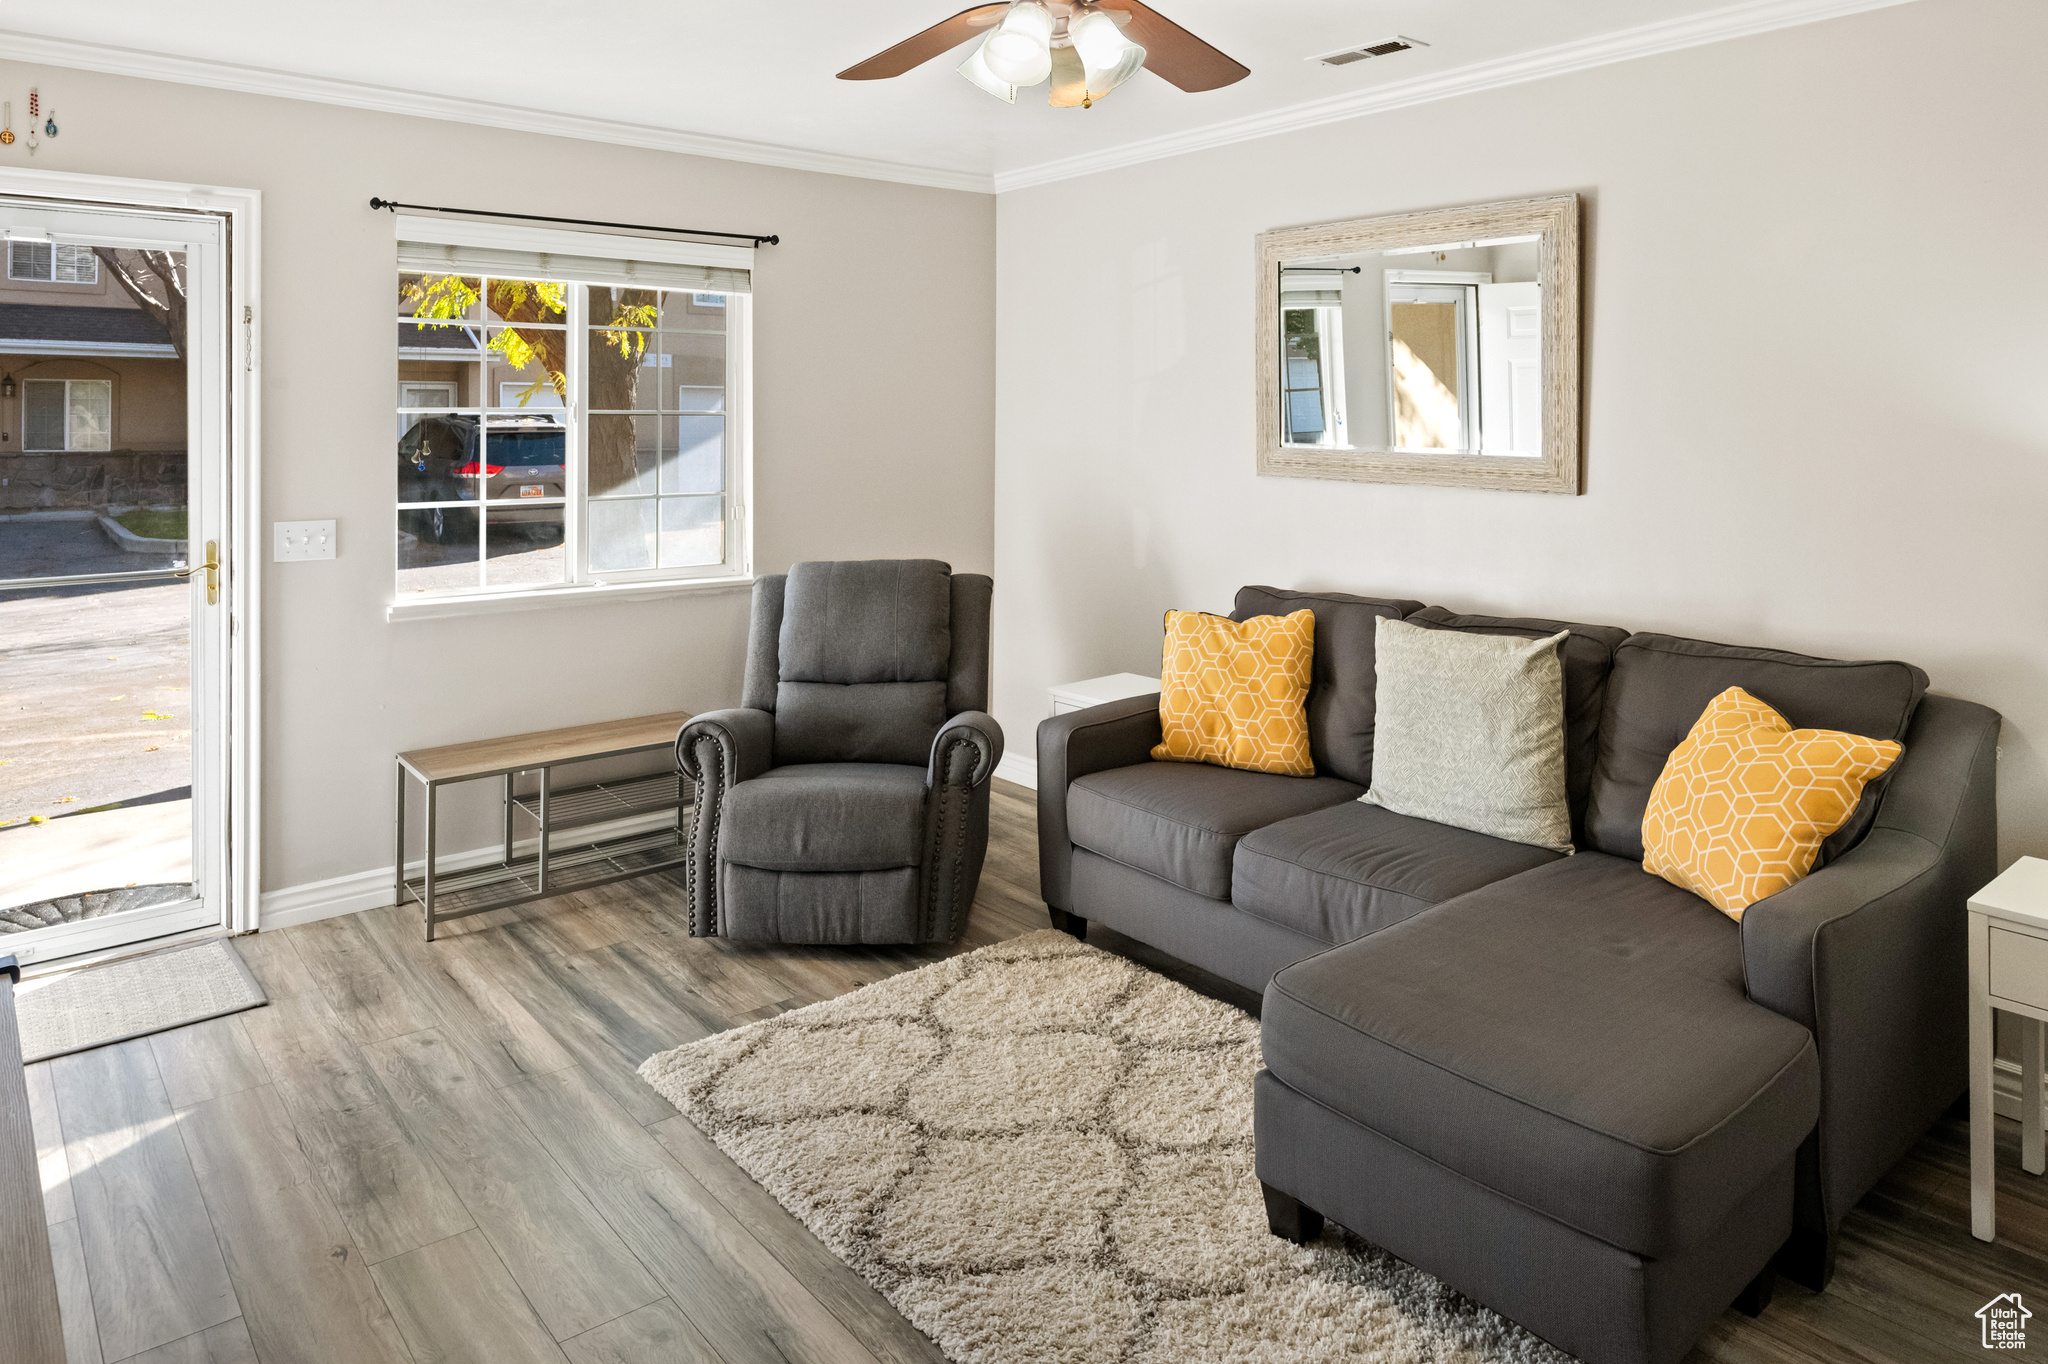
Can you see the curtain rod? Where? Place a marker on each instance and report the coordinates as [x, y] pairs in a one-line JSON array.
[[756, 238]]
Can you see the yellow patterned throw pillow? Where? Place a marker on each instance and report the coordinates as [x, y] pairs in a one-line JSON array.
[[1235, 693], [1745, 801]]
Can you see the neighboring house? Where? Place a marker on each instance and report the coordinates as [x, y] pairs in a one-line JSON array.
[[92, 392]]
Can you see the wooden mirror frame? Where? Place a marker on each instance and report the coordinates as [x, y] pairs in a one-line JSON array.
[[1555, 219]]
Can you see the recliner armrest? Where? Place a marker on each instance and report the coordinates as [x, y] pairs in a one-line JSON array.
[[1115, 734], [966, 750], [716, 751], [745, 739]]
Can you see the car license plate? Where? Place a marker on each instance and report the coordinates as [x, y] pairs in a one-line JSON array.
[[533, 490]]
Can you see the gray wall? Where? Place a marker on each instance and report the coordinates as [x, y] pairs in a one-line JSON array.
[[873, 407], [1794, 435]]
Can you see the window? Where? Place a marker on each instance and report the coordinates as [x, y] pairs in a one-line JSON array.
[[1314, 375], [67, 414], [56, 262], [568, 418]]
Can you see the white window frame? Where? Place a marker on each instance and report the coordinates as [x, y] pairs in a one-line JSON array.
[[580, 582], [79, 254], [67, 447]]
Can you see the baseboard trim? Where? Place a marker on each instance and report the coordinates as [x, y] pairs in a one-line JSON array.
[[1020, 769], [373, 889], [2005, 1090]]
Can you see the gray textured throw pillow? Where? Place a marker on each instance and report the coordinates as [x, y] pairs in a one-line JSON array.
[[1469, 731]]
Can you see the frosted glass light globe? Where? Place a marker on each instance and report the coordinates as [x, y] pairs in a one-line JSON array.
[[1020, 50]]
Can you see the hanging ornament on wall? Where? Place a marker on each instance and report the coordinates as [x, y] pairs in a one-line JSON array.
[[50, 124], [7, 132], [35, 106]]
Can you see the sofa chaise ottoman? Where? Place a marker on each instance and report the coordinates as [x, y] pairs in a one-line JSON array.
[[1572, 1090]]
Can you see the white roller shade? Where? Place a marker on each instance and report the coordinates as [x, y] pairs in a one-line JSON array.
[[1302, 287], [576, 257]]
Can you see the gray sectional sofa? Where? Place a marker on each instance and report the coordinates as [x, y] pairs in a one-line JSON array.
[[1572, 1090]]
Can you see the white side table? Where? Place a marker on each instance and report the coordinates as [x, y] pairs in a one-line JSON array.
[[2009, 971], [1097, 690]]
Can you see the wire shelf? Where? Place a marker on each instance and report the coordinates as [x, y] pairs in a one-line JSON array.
[[570, 869], [606, 800]]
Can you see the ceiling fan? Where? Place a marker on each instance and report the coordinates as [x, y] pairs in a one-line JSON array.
[[1088, 49]]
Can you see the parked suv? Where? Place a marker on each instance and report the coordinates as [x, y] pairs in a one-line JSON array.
[[523, 460]]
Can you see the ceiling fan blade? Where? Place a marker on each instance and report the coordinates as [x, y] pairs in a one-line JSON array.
[[1173, 53], [921, 48]]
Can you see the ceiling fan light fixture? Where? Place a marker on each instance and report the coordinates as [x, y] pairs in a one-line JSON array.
[[1109, 57], [1019, 51], [975, 68]]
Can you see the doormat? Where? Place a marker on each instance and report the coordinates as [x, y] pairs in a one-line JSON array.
[[133, 998], [1042, 1154]]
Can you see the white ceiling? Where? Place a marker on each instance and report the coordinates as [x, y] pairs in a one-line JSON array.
[[761, 72]]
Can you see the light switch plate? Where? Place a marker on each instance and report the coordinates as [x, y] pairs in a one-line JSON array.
[[303, 540]]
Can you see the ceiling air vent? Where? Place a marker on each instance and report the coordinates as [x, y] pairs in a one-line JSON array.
[[1385, 48]]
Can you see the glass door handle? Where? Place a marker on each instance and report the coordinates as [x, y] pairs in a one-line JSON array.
[[212, 570]]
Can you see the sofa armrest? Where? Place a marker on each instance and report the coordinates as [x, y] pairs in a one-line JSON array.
[[1117, 734], [965, 751], [1870, 953], [1935, 834], [716, 750]]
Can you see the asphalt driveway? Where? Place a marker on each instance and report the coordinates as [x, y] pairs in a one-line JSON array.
[[95, 685]]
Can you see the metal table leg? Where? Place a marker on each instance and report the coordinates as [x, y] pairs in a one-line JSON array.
[[508, 819], [398, 857], [547, 775], [433, 835]]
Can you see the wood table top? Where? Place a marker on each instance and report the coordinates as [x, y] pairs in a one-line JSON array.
[[493, 757]]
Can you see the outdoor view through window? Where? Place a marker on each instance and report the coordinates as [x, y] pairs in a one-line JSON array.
[[95, 677], [500, 485]]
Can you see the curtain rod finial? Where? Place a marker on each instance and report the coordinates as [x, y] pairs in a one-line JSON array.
[[383, 203]]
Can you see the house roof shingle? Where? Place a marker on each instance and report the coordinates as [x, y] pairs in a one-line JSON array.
[[79, 326]]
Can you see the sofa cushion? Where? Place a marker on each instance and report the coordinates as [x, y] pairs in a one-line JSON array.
[[1181, 821], [1661, 685], [1576, 1037], [826, 817], [1588, 657], [867, 620], [1354, 868], [1340, 699]]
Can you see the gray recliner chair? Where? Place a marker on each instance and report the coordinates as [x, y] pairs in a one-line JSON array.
[[845, 800]]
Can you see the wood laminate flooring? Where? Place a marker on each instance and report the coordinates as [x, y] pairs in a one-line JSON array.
[[440, 1152]]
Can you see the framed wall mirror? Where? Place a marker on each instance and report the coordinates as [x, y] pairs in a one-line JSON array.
[[1436, 347]]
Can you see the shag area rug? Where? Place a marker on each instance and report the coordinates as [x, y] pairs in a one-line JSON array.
[[1042, 1154]]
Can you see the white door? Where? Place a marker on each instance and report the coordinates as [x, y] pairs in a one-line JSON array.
[[1510, 369], [114, 780]]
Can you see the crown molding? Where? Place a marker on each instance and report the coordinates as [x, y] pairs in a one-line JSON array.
[[253, 80], [1647, 40]]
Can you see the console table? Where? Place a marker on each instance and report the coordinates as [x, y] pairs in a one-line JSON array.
[[549, 869], [2008, 972]]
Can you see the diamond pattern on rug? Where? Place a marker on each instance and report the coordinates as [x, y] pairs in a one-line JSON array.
[[1042, 1152]]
